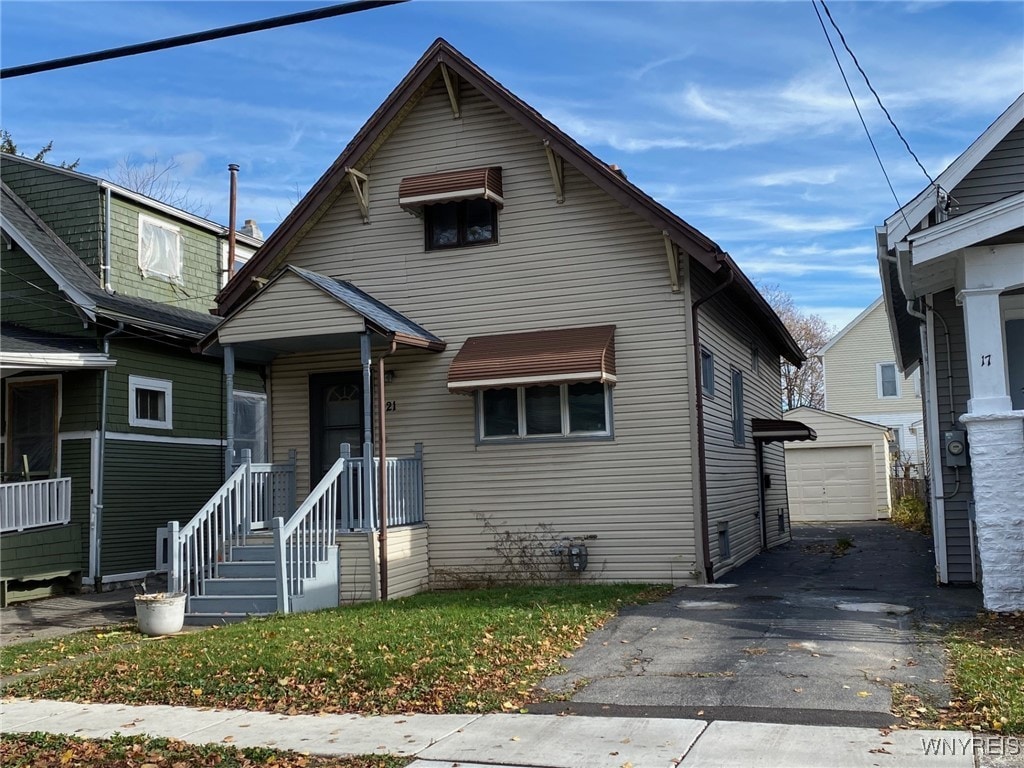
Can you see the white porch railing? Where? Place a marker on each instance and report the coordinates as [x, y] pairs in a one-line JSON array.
[[248, 500], [35, 504], [405, 493], [306, 547]]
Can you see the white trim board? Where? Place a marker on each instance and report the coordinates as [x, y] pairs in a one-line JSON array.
[[132, 437]]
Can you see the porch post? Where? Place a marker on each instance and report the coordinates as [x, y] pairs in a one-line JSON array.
[[364, 356], [229, 386], [986, 362]]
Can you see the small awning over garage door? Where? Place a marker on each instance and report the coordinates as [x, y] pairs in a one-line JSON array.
[[534, 358]]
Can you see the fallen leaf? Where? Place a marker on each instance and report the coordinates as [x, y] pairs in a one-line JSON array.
[[228, 739], [863, 694]]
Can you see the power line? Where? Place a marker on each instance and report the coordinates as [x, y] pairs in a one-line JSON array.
[[197, 37], [873, 91], [856, 106]]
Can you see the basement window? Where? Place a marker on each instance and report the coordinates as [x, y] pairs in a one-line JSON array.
[[724, 547], [149, 402]]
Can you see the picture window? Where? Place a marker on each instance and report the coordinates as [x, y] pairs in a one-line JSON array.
[[551, 411]]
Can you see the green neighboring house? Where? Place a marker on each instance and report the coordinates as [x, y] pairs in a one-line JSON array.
[[111, 424]]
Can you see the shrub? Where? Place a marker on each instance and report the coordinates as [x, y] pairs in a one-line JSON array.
[[911, 513]]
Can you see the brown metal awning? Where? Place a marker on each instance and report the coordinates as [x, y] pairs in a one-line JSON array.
[[779, 430], [534, 358], [416, 191]]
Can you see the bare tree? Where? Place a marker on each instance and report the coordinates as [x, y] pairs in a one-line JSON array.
[[156, 178], [804, 385], [7, 146]]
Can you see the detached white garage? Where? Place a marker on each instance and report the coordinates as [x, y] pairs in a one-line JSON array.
[[843, 475]]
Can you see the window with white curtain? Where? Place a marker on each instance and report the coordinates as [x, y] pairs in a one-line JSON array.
[[160, 250]]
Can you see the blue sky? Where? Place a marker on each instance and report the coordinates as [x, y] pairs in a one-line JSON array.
[[732, 114]]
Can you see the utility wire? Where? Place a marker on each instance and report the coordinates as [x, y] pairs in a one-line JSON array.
[[197, 37], [873, 91], [856, 106]]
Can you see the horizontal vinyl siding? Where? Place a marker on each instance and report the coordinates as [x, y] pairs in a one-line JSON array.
[[585, 262], [355, 562], [197, 388], [408, 565], [732, 477], [998, 176], [76, 463], [851, 371], [958, 534], [145, 486], [290, 308], [836, 432]]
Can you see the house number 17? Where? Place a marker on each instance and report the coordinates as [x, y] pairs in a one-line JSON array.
[[986, 360]]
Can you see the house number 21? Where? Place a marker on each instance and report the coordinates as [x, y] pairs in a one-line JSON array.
[[986, 360], [390, 405]]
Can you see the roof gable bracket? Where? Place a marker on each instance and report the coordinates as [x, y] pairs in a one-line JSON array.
[[557, 167], [361, 189], [673, 262], [451, 84]]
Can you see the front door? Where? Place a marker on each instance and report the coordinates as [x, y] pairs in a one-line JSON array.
[[335, 417]]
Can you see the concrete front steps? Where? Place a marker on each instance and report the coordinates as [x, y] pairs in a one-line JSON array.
[[245, 586]]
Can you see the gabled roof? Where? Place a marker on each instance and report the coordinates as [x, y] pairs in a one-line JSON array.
[[377, 313], [900, 223], [81, 286], [138, 197], [806, 409], [400, 102], [849, 326]]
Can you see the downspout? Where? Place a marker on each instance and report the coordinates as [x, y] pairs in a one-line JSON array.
[[100, 460], [232, 205], [367, 452], [106, 243], [709, 566], [382, 477], [229, 410]]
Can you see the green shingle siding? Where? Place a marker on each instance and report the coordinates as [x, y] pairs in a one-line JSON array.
[[31, 299], [80, 406], [200, 260], [71, 207], [41, 553], [145, 486]]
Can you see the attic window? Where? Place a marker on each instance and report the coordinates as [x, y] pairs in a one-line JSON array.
[[160, 250], [455, 225]]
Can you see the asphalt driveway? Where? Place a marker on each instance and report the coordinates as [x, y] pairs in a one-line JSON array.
[[801, 634]]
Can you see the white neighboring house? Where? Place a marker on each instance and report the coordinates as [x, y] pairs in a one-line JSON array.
[[863, 381], [952, 268]]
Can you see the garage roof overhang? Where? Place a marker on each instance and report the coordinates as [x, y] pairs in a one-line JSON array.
[[779, 430]]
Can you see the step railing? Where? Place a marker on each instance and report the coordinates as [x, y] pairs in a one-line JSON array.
[[249, 498], [405, 493], [306, 546], [35, 504]]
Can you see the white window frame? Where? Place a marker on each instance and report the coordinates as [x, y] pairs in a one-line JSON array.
[[157, 385], [521, 413], [147, 269], [878, 381], [707, 383]]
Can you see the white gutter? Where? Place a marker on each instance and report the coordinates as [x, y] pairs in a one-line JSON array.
[[106, 242]]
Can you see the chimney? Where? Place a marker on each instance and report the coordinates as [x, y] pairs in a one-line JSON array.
[[252, 229]]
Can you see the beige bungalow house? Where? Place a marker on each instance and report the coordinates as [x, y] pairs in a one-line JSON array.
[[549, 360]]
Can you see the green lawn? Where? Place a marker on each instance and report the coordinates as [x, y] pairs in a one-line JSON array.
[[987, 657], [41, 653], [465, 651], [33, 750]]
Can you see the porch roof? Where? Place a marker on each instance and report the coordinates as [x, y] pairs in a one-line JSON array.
[[534, 358], [23, 349], [301, 310]]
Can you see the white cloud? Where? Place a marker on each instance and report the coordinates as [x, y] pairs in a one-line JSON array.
[[811, 176]]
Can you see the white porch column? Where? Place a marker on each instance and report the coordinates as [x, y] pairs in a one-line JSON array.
[[986, 361], [996, 443]]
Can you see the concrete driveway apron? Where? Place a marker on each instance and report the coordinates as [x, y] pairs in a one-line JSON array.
[[800, 634]]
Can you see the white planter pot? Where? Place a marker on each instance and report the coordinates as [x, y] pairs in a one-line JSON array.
[[162, 613]]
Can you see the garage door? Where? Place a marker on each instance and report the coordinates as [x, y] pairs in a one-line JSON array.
[[827, 484]]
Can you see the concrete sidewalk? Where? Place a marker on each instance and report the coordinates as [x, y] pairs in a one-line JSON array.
[[520, 741]]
